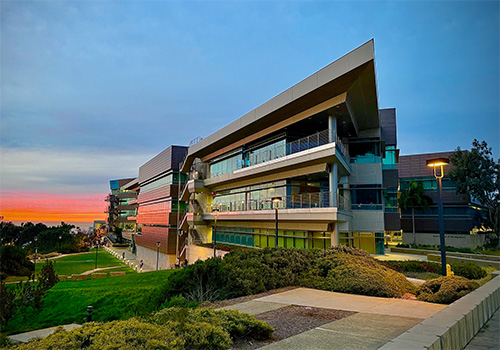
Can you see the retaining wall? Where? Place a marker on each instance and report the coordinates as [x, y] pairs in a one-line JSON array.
[[452, 259], [455, 326], [452, 240]]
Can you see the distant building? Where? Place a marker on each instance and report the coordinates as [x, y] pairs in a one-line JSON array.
[[158, 185], [121, 208], [461, 214]]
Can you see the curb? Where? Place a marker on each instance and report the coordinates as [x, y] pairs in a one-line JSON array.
[[456, 325]]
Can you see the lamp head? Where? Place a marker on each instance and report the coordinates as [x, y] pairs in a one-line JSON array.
[[276, 201], [158, 244], [437, 162]]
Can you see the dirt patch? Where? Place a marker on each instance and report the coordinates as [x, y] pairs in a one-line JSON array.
[[291, 320]]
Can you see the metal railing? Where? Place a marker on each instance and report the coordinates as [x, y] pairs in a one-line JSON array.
[[317, 139], [301, 201]]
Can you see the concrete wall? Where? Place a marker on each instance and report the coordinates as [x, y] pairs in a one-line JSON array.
[[456, 325], [165, 261], [366, 173], [367, 221], [195, 253], [451, 240]]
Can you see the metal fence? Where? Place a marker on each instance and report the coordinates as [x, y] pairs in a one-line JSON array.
[[301, 201]]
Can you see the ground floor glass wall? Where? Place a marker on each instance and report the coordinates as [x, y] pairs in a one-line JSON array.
[[262, 238]]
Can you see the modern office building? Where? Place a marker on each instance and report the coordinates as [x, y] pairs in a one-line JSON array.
[[158, 184], [121, 207], [461, 214], [321, 152]]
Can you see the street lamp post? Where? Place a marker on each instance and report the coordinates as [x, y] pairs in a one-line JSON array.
[[60, 237], [96, 251], [34, 260], [158, 244], [437, 166], [276, 203], [215, 211]]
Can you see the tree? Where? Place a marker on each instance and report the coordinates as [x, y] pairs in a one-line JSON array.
[[476, 174], [414, 197], [47, 277], [14, 262], [7, 306]]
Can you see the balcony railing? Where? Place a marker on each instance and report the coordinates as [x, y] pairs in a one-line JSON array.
[[301, 201], [317, 139]]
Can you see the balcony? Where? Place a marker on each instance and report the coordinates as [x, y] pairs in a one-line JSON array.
[[301, 201], [318, 139]]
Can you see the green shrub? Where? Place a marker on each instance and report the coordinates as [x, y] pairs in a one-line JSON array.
[[236, 323], [201, 281], [128, 335], [179, 301], [246, 272], [172, 328], [4, 341], [468, 270], [445, 289], [412, 266], [354, 271], [255, 271], [206, 328]]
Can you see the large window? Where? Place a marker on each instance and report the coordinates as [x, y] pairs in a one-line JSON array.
[[364, 152], [226, 165], [391, 200], [256, 197], [366, 197], [263, 238], [169, 179], [389, 160]]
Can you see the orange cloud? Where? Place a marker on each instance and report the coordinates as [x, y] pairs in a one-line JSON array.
[[44, 207]]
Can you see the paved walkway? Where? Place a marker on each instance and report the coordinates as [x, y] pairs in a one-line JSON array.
[[340, 301], [40, 333], [399, 256], [488, 337], [378, 320], [131, 256]]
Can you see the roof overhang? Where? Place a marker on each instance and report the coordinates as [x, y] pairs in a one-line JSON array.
[[353, 74]]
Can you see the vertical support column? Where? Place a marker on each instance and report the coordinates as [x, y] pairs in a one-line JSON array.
[[334, 236], [332, 128], [333, 175]]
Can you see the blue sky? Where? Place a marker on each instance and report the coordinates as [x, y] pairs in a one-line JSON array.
[[94, 89]]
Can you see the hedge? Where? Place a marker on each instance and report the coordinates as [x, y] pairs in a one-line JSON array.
[[246, 272], [171, 328], [445, 289]]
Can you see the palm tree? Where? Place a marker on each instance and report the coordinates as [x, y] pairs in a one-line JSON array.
[[414, 197]]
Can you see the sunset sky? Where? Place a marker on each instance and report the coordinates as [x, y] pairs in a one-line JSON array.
[[91, 90]]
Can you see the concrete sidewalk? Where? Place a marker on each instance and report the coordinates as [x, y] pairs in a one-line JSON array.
[[352, 302], [489, 336], [399, 256], [39, 333], [131, 257], [378, 320]]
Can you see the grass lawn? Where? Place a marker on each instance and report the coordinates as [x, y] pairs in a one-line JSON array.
[[112, 298], [79, 263]]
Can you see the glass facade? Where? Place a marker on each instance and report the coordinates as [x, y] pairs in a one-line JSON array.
[[389, 160], [170, 179], [365, 152], [429, 183], [273, 149], [391, 200], [366, 197], [262, 238]]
